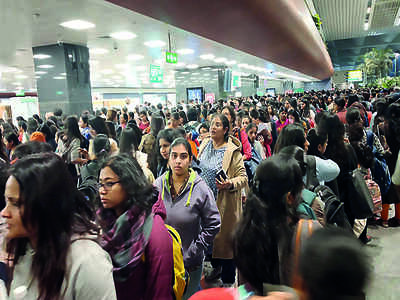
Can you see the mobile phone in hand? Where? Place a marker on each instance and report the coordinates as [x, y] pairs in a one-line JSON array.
[[221, 174]]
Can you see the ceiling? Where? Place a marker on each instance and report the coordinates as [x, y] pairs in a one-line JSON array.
[[354, 27], [26, 24]]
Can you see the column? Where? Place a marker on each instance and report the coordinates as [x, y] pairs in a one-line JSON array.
[[63, 78]]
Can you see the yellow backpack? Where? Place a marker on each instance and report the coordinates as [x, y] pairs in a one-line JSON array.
[[181, 277]]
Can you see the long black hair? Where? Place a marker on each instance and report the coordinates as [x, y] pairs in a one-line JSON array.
[[331, 125], [129, 140], [156, 159], [292, 134], [72, 129], [265, 218], [99, 125], [132, 179], [54, 207], [315, 139]]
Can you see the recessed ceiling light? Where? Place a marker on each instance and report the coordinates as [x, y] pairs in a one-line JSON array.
[[16, 83], [37, 77], [59, 77], [231, 62], [21, 76], [121, 66], [107, 71], [196, 73], [180, 64], [63, 74], [185, 51], [46, 66], [98, 51], [41, 56], [193, 66], [135, 57], [78, 24], [123, 35], [220, 59], [207, 56], [206, 68], [366, 25], [243, 65], [185, 72], [155, 44]]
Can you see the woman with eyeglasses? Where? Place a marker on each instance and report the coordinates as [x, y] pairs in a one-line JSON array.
[[134, 233], [52, 239], [191, 209]]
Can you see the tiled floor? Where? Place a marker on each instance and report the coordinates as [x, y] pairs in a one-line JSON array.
[[385, 254]]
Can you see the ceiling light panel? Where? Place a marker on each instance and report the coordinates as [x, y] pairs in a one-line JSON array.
[[41, 56], [220, 59], [207, 56], [185, 51], [78, 24], [45, 66], [123, 35], [155, 44]]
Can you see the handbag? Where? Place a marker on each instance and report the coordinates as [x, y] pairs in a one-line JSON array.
[[360, 200], [375, 192]]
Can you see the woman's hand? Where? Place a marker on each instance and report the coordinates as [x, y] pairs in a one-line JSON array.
[[223, 184], [84, 153]]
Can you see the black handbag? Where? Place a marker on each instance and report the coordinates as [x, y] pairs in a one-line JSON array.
[[359, 197]]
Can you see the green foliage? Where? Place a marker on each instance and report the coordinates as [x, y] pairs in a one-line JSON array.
[[386, 82], [377, 64]]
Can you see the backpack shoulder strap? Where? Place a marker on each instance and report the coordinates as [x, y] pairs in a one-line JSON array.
[[303, 231]]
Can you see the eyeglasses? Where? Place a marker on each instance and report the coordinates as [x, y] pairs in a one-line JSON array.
[[108, 185]]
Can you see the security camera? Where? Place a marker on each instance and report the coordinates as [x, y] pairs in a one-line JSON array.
[[59, 43], [115, 46]]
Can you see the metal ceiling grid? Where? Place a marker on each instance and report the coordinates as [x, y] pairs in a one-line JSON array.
[[342, 19], [384, 13]]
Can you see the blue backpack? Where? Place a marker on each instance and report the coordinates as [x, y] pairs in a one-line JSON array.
[[380, 170]]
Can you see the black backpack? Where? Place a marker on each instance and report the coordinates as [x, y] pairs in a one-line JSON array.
[[334, 209]]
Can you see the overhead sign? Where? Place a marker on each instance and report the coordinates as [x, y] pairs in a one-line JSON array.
[[20, 94], [355, 75], [236, 82], [156, 73], [171, 57]]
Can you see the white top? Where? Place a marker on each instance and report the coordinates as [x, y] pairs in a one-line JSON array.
[[89, 274]]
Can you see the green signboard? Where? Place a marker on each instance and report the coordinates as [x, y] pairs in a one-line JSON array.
[[171, 57], [20, 94], [156, 73], [236, 81], [299, 90]]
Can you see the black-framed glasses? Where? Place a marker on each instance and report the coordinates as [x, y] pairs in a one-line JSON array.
[[108, 185]]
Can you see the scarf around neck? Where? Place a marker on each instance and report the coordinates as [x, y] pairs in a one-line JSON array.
[[125, 239]]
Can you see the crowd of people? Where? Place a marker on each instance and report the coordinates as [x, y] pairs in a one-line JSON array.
[[245, 198]]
